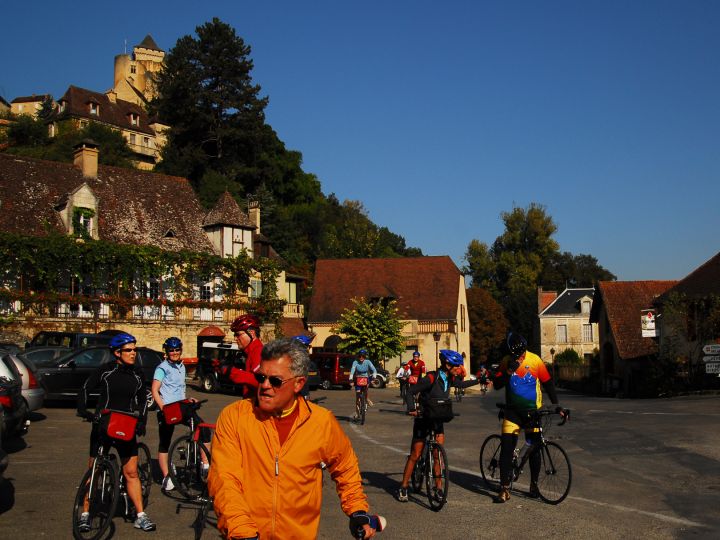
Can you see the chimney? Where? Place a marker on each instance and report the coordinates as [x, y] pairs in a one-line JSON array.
[[85, 157], [254, 214]]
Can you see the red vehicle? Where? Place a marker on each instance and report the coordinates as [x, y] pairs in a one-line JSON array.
[[333, 368]]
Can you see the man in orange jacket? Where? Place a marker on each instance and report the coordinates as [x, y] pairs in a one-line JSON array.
[[268, 456]]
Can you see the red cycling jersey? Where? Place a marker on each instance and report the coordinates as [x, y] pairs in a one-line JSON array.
[[246, 376]]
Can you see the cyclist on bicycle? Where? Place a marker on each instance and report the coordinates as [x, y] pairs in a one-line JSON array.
[[417, 368], [246, 329], [122, 388], [521, 373], [458, 379], [483, 375], [436, 385], [168, 387], [361, 373], [402, 377]]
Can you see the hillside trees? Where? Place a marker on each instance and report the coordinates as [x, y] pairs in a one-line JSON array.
[[488, 326], [219, 139]]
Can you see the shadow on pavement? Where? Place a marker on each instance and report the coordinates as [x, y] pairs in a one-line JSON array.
[[7, 495], [15, 444]]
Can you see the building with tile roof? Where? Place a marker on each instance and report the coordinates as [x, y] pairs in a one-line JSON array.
[[144, 135], [30, 105], [429, 291], [624, 352], [565, 324], [129, 206]]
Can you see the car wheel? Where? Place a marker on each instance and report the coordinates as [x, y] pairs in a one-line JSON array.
[[208, 383], [376, 382], [326, 384]]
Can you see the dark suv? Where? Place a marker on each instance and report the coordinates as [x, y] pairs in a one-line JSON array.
[[73, 340]]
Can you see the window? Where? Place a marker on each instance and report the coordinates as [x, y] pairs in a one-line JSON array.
[[82, 222], [292, 293], [132, 138], [255, 288], [146, 141], [587, 333], [151, 289], [562, 336], [133, 69], [585, 306], [134, 119], [462, 318], [94, 109], [205, 293], [62, 106]]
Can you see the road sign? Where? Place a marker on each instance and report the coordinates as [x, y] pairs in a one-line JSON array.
[[712, 368], [712, 358], [712, 348]]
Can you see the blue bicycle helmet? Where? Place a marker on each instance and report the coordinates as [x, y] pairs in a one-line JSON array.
[[416, 354], [363, 352], [172, 343], [121, 339], [302, 338], [453, 358]]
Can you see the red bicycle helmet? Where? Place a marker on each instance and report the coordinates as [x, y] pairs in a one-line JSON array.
[[245, 322]]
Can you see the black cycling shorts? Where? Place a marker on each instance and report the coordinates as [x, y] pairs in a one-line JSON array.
[[421, 427]]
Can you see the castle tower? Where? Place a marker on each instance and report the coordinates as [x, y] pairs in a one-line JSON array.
[[134, 72]]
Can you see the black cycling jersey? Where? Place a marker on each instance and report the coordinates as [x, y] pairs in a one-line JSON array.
[[122, 388]]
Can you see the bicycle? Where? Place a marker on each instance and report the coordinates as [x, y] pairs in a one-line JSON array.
[[185, 458], [555, 471], [432, 467], [459, 393], [361, 405], [102, 486]]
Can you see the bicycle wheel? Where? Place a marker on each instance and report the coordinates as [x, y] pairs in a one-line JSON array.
[[206, 504], [185, 466], [418, 473], [555, 473], [490, 460], [145, 471], [363, 407], [102, 498], [436, 476]]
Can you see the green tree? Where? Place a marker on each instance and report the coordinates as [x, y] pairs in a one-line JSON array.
[[374, 326], [564, 269], [488, 326], [27, 132]]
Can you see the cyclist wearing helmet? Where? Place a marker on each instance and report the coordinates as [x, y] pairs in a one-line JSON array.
[[521, 373], [361, 373], [246, 330], [417, 368], [122, 388], [168, 386], [305, 341], [434, 386]]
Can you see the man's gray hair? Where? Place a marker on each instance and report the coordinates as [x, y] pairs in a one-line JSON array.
[[293, 349]]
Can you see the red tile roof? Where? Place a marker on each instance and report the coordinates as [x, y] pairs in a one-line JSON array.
[[426, 288], [703, 281], [227, 212], [292, 327], [135, 207], [32, 99], [623, 301]]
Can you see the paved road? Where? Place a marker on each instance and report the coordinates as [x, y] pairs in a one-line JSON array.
[[642, 469]]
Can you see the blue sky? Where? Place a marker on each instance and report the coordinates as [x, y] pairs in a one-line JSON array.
[[439, 116]]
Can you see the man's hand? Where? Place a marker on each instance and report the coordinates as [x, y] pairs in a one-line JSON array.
[[360, 521], [412, 413], [562, 412]]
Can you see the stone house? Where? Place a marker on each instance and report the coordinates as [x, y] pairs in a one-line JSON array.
[[126, 206], [564, 321], [430, 295], [29, 105], [617, 310], [4, 107]]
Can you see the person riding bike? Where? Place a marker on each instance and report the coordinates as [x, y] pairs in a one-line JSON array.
[[168, 386], [434, 386], [521, 373], [122, 388], [361, 373], [246, 330], [402, 377], [458, 379], [483, 375], [417, 368]]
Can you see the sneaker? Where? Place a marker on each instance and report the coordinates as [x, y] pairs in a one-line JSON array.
[[503, 496], [534, 492], [402, 495], [143, 522], [84, 522], [167, 484]]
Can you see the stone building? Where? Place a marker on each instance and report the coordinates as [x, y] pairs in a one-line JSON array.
[[430, 295], [565, 323]]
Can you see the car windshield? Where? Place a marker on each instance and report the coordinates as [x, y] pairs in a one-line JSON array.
[[45, 357]]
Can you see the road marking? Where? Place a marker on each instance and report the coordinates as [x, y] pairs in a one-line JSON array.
[[655, 515], [603, 411]]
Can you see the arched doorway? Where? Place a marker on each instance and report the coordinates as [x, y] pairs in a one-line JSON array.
[[331, 343]]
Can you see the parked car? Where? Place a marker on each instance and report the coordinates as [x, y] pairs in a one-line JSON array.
[[64, 378], [32, 392], [73, 340], [334, 368], [214, 359], [13, 410], [313, 378], [10, 347], [45, 356]]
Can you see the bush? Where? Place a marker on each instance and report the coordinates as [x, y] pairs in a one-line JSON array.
[[568, 357]]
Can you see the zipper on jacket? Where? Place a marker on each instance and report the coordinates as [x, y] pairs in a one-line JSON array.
[[277, 465]]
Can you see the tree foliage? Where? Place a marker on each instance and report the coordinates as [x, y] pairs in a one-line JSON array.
[[375, 326], [524, 257], [488, 326]]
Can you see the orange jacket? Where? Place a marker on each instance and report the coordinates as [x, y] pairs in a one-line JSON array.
[[260, 486]]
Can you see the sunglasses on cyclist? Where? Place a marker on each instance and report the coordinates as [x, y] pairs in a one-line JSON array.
[[174, 350], [128, 350], [274, 380]]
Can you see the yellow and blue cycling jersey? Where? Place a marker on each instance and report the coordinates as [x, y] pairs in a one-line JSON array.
[[523, 391]]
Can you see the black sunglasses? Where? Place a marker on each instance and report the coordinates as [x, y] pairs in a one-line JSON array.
[[128, 350], [174, 350], [275, 381]]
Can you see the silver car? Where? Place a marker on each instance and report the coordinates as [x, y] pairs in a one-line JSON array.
[[32, 392]]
